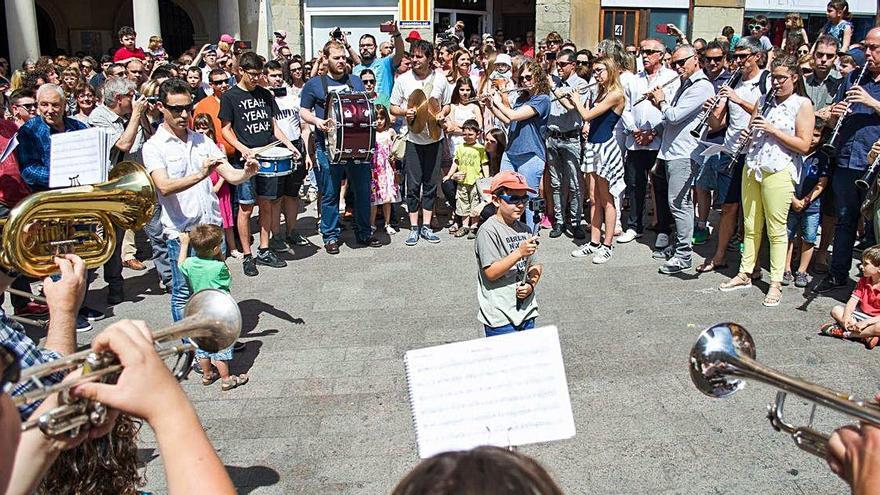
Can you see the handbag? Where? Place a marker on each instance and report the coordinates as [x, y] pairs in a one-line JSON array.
[[398, 147]]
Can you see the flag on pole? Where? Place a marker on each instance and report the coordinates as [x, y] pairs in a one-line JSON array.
[[415, 13]]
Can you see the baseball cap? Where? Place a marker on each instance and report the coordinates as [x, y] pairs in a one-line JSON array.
[[227, 38], [281, 33], [858, 56], [413, 35], [503, 58], [510, 180]]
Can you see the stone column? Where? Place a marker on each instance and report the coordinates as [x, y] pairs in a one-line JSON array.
[[21, 25], [146, 20], [229, 19]]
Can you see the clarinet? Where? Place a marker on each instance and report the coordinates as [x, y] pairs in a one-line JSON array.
[[870, 176], [703, 125], [828, 148], [741, 145]]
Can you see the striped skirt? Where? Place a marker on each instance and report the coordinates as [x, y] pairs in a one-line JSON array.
[[606, 161]]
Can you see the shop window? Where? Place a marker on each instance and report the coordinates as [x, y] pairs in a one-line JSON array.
[[621, 24]]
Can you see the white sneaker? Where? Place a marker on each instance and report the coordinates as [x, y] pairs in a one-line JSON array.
[[603, 254], [628, 236], [662, 241], [584, 251], [390, 230], [235, 253]]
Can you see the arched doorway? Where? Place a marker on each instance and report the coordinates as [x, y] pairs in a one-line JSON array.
[[46, 30], [177, 28]]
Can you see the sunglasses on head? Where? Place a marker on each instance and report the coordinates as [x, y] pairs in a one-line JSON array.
[[514, 200], [178, 109]]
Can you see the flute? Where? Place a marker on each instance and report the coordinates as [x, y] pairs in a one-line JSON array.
[[645, 96], [828, 148], [581, 91], [488, 95]]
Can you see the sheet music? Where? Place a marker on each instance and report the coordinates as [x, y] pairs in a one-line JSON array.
[[504, 391], [10, 147], [79, 158], [713, 149]]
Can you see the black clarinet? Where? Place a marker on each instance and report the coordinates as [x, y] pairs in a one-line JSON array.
[[743, 143], [870, 176], [703, 125], [828, 148]]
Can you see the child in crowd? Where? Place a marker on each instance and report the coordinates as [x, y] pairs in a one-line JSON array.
[[205, 271], [383, 187], [839, 24], [863, 308], [795, 35], [508, 269], [202, 123], [759, 28], [469, 164], [805, 212], [155, 48]]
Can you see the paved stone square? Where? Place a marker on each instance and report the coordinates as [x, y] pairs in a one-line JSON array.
[[326, 408]]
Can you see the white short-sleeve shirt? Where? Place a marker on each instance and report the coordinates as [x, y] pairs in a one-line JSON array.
[[183, 210]]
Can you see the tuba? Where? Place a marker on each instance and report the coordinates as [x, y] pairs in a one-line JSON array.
[[79, 220]]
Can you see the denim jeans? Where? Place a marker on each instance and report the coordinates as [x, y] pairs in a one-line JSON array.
[[564, 160], [847, 207], [532, 168], [180, 291], [509, 328], [329, 177], [153, 229]]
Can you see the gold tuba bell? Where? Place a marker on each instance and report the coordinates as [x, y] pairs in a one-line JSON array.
[[80, 220]]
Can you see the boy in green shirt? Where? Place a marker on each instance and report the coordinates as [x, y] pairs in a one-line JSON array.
[[206, 271], [470, 163]]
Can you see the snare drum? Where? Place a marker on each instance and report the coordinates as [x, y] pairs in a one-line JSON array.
[[355, 134], [275, 162]]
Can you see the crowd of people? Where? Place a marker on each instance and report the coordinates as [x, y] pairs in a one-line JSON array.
[[600, 147]]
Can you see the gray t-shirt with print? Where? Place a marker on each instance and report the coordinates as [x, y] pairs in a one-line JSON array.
[[497, 298]]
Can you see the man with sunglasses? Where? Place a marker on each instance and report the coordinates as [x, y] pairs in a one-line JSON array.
[[23, 103], [822, 85], [211, 63], [180, 162], [733, 113], [369, 80], [679, 151], [218, 79], [564, 148], [383, 67], [642, 126], [859, 105], [249, 116]]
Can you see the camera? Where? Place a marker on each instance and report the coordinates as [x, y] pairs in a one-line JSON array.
[[537, 205], [244, 45], [338, 34]]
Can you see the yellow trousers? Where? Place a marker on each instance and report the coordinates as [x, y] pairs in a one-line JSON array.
[[766, 202]]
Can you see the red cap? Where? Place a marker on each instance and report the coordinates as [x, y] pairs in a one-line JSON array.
[[413, 35], [510, 180]]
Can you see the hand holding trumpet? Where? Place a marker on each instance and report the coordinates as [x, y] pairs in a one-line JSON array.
[[854, 455]]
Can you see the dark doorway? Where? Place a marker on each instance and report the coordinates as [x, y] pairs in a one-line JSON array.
[[177, 28], [46, 31]]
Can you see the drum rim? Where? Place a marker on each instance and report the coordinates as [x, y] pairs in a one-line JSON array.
[[287, 156]]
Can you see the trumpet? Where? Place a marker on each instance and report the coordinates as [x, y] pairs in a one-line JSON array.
[[79, 220], [828, 147], [645, 96], [724, 354], [703, 118], [212, 320], [743, 142]]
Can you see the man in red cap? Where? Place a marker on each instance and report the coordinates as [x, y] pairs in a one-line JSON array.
[[413, 36], [509, 269]]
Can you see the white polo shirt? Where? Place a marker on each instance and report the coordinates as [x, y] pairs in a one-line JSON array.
[[197, 205]]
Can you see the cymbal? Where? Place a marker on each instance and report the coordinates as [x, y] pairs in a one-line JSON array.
[[417, 100], [433, 109]]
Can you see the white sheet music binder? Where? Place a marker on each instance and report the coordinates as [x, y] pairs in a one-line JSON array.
[[79, 158], [506, 390]]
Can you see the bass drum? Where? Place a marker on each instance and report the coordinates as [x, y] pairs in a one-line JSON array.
[[355, 136]]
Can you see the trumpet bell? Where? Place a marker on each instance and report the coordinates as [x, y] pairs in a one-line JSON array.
[[219, 316], [714, 356]]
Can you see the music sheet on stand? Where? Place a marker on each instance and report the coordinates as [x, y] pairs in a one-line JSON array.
[[505, 390], [79, 158]]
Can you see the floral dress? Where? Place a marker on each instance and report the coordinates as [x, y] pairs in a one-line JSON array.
[[383, 187]]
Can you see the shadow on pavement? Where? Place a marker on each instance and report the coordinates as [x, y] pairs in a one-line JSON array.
[[247, 479]]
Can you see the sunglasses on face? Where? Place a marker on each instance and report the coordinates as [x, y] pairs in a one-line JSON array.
[[753, 27], [253, 74], [803, 52], [650, 52], [514, 200], [741, 56], [824, 55], [294, 69], [526, 77], [368, 81], [220, 82], [716, 60], [179, 109], [28, 106], [679, 62], [583, 63]]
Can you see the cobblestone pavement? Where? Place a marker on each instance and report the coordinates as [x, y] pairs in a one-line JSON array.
[[326, 408]]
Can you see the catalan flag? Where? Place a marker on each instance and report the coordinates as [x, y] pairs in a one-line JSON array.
[[415, 13]]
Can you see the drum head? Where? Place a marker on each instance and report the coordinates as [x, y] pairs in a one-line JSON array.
[[332, 137], [276, 153]]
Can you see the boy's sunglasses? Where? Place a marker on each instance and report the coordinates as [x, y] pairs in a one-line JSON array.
[[514, 200]]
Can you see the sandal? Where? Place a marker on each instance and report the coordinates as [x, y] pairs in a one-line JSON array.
[[710, 266], [210, 379], [774, 295], [453, 229], [233, 382], [462, 232]]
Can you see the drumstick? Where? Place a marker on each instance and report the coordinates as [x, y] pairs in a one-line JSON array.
[[264, 148]]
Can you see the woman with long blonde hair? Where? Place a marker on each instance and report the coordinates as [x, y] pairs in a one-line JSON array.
[[603, 162]]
